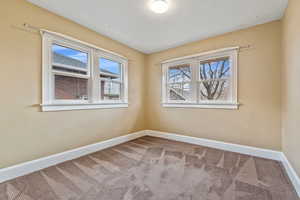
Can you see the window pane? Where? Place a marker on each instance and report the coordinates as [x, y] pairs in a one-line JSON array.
[[109, 69], [215, 69], [67, 56], [180, 91], [215, 90], [110, 90], [70, 88], [180, 73]]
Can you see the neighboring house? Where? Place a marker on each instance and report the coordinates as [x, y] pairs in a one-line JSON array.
[[77, 88], [109, 89], [178, 94], [179, 89]]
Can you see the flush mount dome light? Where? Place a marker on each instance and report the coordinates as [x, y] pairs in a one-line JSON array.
[[159, 6]]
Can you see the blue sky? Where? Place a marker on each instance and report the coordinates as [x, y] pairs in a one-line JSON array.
[[75, 54], [106, 64], [217, 65], [175, 74], [109, 65]]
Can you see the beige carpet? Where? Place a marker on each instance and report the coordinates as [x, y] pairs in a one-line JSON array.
[[155, 169]]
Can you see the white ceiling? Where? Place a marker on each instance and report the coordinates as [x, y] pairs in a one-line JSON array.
[[132, 23]]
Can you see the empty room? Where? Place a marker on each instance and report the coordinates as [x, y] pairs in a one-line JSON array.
[[150, 100]]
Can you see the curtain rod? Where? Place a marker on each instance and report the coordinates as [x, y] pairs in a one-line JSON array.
[[238, 48], [37, 29], [31, 27]]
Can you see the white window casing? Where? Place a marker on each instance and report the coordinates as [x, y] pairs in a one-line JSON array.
[[231, 102], [91, 73]]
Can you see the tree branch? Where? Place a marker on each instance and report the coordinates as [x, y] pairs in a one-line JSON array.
[[221, 90]]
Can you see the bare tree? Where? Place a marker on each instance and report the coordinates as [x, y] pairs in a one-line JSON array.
[[213, 79], [182, 75]]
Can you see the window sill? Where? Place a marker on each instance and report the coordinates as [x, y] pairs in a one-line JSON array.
[[230, 106], [86, 106]]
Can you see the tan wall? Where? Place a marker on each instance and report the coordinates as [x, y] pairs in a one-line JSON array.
[[27, 133], [291, 84], [257, 122]]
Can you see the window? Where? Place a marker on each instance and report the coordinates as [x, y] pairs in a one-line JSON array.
[[77, 75], [70, 71], [179, 83], [207, 80], [111, 79]]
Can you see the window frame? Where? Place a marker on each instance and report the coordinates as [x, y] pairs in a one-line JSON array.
[[166, 81], [53, 72], [195, 60], [123, 77], [49, 103]]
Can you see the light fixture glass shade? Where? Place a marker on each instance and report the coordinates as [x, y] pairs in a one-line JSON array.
[[159, 6]]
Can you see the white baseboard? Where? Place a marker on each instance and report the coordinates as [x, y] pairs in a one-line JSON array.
[[252, 151], [42, 163], [291, 173]]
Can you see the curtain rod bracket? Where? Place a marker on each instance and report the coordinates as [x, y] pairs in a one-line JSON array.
[[28, 26]]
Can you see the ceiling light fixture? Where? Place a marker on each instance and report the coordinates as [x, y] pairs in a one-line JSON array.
[[159, 6]]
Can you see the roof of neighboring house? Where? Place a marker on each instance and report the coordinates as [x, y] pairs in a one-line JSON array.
[[108, 73], [61, 59]]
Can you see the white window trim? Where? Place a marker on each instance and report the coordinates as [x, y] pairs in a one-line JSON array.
[[94, 101], [194, 61], [82, 106]]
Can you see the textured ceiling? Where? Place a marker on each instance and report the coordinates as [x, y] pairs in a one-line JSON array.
[[132, 23]]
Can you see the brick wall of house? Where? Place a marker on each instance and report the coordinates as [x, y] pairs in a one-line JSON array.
[[70, 87]]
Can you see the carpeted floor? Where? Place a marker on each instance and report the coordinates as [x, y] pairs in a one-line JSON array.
[[155, 169]]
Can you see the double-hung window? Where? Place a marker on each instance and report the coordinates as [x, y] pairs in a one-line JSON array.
[[207, 80], [77, 75]]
